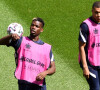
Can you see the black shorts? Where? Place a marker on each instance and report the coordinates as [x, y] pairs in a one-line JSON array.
[[23, 85]]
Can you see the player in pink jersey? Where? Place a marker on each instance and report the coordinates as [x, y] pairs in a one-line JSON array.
[[42, 64], [89, 47]]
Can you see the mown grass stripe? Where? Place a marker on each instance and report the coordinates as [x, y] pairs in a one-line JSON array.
[[65, 77]]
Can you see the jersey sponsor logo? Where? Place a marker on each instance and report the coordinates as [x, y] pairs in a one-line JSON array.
[[95, 31], [32, 61], [95, 45]]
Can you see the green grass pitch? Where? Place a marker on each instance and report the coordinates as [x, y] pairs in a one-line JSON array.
[[62, 19]]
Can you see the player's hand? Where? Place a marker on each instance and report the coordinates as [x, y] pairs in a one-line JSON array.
[[41, 76], [15, 37], [86, 73]]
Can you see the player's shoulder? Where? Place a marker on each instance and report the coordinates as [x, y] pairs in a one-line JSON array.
[[84, 23], [87, 22], [42, 42], [39, 42], [48, 45], [84, 27]]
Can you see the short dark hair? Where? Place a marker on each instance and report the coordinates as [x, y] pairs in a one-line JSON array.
[[39, 19], [96, 4]]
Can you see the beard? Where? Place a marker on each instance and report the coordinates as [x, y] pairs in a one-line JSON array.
[[32, 35]]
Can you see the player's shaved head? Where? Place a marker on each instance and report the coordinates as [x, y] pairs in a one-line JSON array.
[[96, 4]]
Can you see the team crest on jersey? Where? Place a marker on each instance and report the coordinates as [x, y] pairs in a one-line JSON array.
[[93, 45], [95, 31], [28, 46]]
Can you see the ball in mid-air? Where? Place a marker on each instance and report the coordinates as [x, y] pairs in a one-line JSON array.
[[15, 28]]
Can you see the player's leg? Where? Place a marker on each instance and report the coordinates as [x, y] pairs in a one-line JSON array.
[[36, 87], [93, 79], [43, 87], [99, 77], [23, 86]]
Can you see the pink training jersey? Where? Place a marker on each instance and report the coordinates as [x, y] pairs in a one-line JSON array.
[[32, 60], [93, 42]]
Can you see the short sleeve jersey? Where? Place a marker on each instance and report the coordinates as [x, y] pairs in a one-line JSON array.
[[84, 32]]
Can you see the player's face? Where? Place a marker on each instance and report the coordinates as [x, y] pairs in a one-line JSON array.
[[36, 28], [96, 14]]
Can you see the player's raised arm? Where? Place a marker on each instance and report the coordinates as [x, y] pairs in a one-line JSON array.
[[15, 31], [7, 39]]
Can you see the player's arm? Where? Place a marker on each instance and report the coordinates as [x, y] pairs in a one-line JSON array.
[[49, 71], [83, 37], [52, 69], [83, 59], [6, 40]]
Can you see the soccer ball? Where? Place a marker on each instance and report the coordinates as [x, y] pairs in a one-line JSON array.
[[15, 28]]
